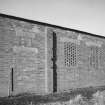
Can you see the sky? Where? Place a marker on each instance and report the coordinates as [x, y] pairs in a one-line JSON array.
[[84, 15]]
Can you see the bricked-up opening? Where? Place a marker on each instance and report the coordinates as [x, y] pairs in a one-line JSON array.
[[54, 62], [94, 57], [70, 54]]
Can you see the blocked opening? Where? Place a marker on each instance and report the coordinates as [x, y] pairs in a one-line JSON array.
[[94, 57]]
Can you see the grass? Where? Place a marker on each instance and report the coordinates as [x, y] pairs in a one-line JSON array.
[[84, 96]]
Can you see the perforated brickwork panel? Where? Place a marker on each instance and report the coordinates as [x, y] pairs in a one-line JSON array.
[[70, 53]]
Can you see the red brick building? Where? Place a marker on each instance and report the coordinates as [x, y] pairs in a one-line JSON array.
[[41, 58]]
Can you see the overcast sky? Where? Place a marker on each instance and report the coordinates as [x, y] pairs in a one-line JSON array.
[[84, 15]]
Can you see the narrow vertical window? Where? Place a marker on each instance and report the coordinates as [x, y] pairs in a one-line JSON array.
[[54, 62], [12, 81]]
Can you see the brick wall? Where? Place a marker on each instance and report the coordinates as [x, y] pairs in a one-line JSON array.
[[80, 60], [22, 48], [27, 49]]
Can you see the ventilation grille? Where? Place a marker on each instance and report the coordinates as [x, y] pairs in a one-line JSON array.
[[70, 54]]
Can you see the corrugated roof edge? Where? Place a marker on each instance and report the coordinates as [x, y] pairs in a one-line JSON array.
[[50, 25]]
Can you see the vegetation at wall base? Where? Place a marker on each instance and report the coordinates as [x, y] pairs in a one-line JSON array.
[[84, 96]]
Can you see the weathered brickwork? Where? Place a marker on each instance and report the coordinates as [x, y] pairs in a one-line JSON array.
[[80, 60], [6, 39], [30, 58], [22, 48], [27, 63]]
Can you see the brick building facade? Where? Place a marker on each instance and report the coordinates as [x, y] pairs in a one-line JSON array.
[[41, 58]]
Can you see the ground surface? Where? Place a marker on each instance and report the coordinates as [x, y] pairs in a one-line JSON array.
[[85, 96]]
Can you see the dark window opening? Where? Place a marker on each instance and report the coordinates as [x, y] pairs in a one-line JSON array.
[[54, 62]]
